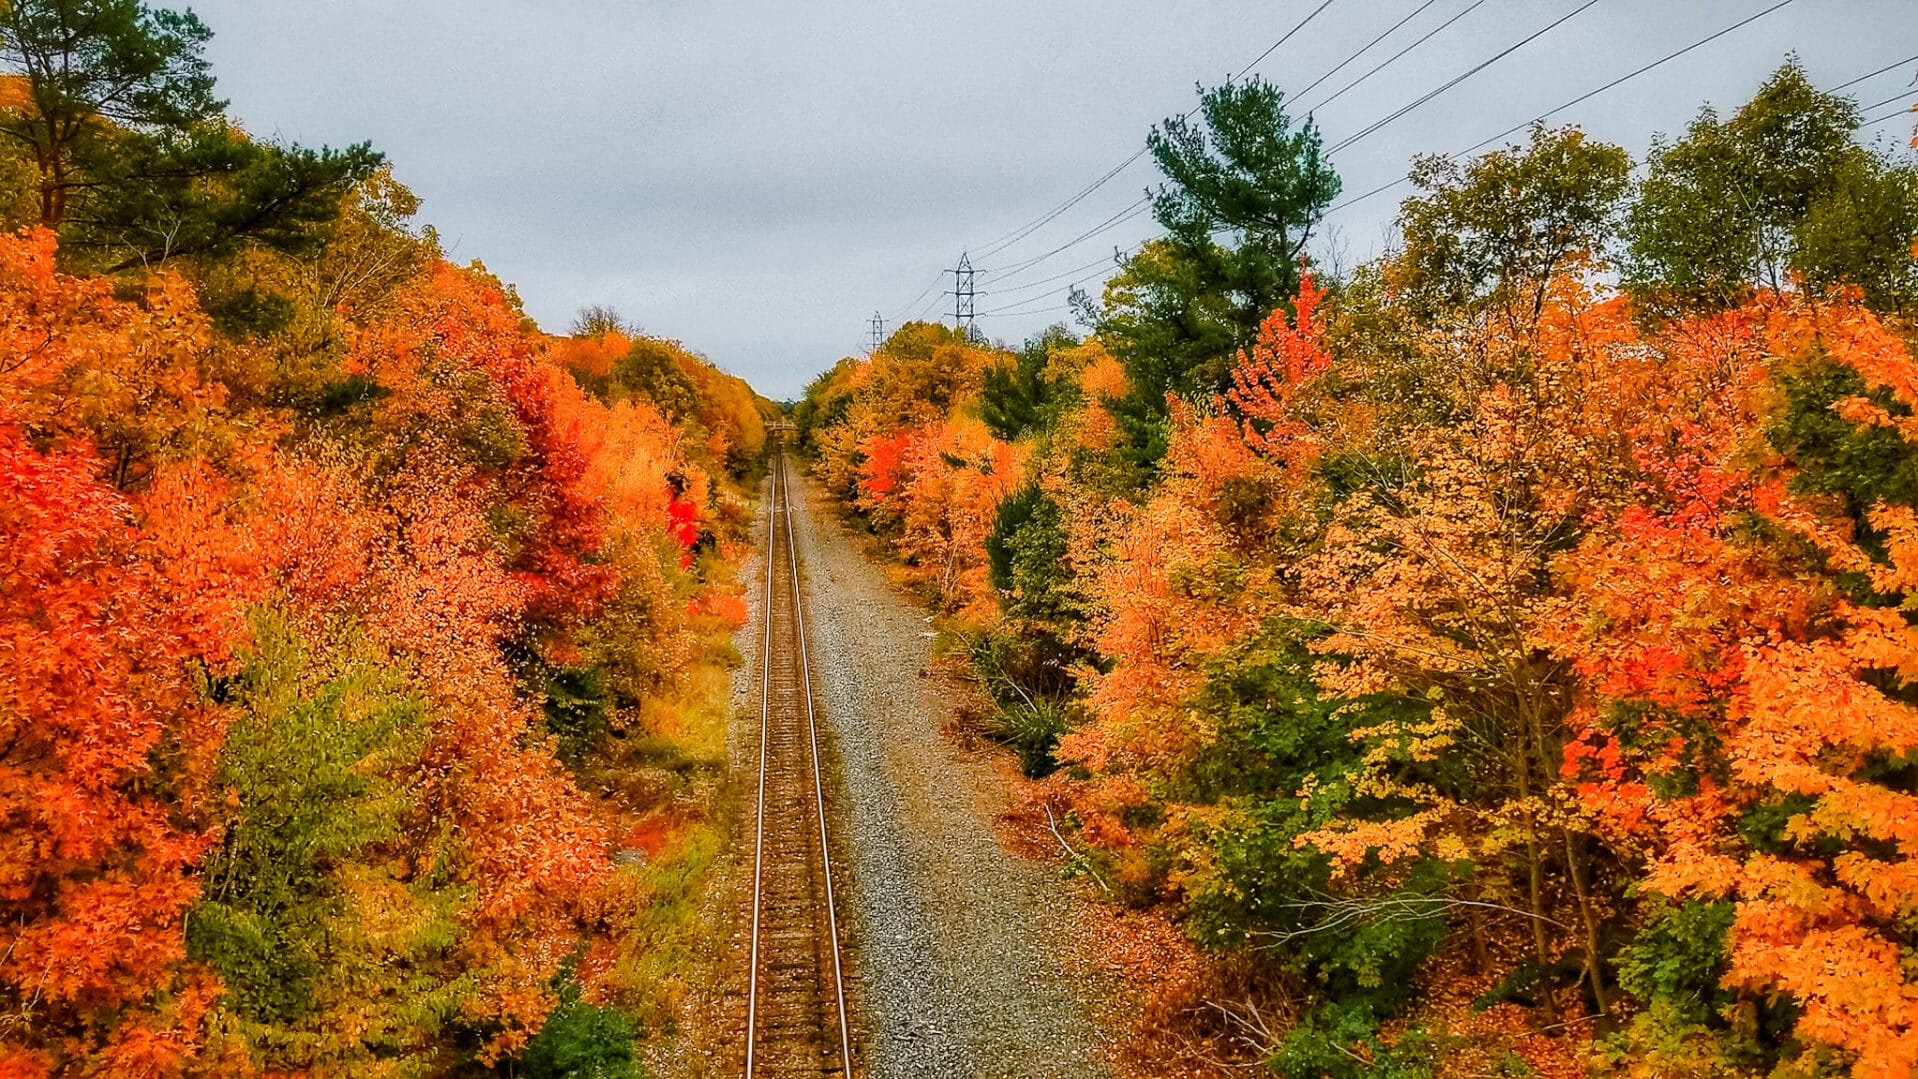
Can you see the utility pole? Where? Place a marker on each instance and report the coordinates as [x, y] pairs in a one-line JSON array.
[[878, 336], [962, 293]]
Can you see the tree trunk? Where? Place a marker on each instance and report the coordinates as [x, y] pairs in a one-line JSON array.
[[1481, 955], [50, 181], [1575, 865], [50, 156], [1535, 894]]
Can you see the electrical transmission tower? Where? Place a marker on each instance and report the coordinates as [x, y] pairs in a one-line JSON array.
[[878, 331], [962, 293]]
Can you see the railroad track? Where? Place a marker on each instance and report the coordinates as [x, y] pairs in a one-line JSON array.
[[796, 1016]]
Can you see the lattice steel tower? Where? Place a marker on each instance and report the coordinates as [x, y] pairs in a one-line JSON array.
[[962, 294]]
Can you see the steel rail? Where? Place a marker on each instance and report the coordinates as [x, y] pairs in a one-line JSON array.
[[780, 505], [818, 785], [759, 827]]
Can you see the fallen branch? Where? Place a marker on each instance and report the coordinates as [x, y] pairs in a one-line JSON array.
[[1073, 857], [1345, 912]]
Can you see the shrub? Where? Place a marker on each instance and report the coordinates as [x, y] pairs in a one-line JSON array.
[[1032, 728]]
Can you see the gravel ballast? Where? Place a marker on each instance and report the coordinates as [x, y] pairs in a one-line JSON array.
[[961, 945]]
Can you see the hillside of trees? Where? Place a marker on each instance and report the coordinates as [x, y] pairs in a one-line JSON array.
[[364, 650], [1501, 655]]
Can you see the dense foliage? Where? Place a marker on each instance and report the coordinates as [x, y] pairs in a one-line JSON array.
[[349, 625], [1516, 668]]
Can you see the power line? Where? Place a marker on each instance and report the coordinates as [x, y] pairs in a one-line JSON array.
[[1892, 115], [931, 304], [1131, 210], [1629, 76], [923, 293], [1025, 307], [1117, 219], [1127, 213], [1392, 59], [1588, 95], [1457, 79], [1059, 308], [1340, 66], [1020, 234], [1873, 74], [1061, 275], [1887, 101], [1274, 47], [1018, 307], [1117, 258], [1382, 188], [1026, 230], [1013, 312], [1189, 114]]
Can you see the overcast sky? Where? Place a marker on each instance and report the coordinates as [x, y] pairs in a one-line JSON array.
[[757, 178]]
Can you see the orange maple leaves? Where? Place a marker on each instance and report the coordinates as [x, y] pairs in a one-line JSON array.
[[1267, 382], [1604, 542], [107, 743], [485, 499], [1780, 690], [938, 486]]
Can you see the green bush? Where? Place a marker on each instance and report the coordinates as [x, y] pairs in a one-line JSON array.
[[1028, 677], [1033, 730], [1342, 1042], [316, 895], [1678, 959], [576, 708], [1280, 767], [581, 1041], [1026, 557]]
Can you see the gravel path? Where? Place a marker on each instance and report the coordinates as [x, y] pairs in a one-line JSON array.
[[961, 946]]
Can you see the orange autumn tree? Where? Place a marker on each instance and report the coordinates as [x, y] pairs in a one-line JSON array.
[[496, 525], [270, 686], [938, 486], [897, 435], [1267, 382], [114, 613], [924, 374], [1162, 597], [718, 412], [1500, 672], [136, 379], [1179, 582], [1753, 668], [120, 609], [1203, 565], [1433, 582], [524, 518], [472, 420]]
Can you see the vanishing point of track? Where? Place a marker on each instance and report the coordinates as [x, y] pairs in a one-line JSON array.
[[796, 1022]]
